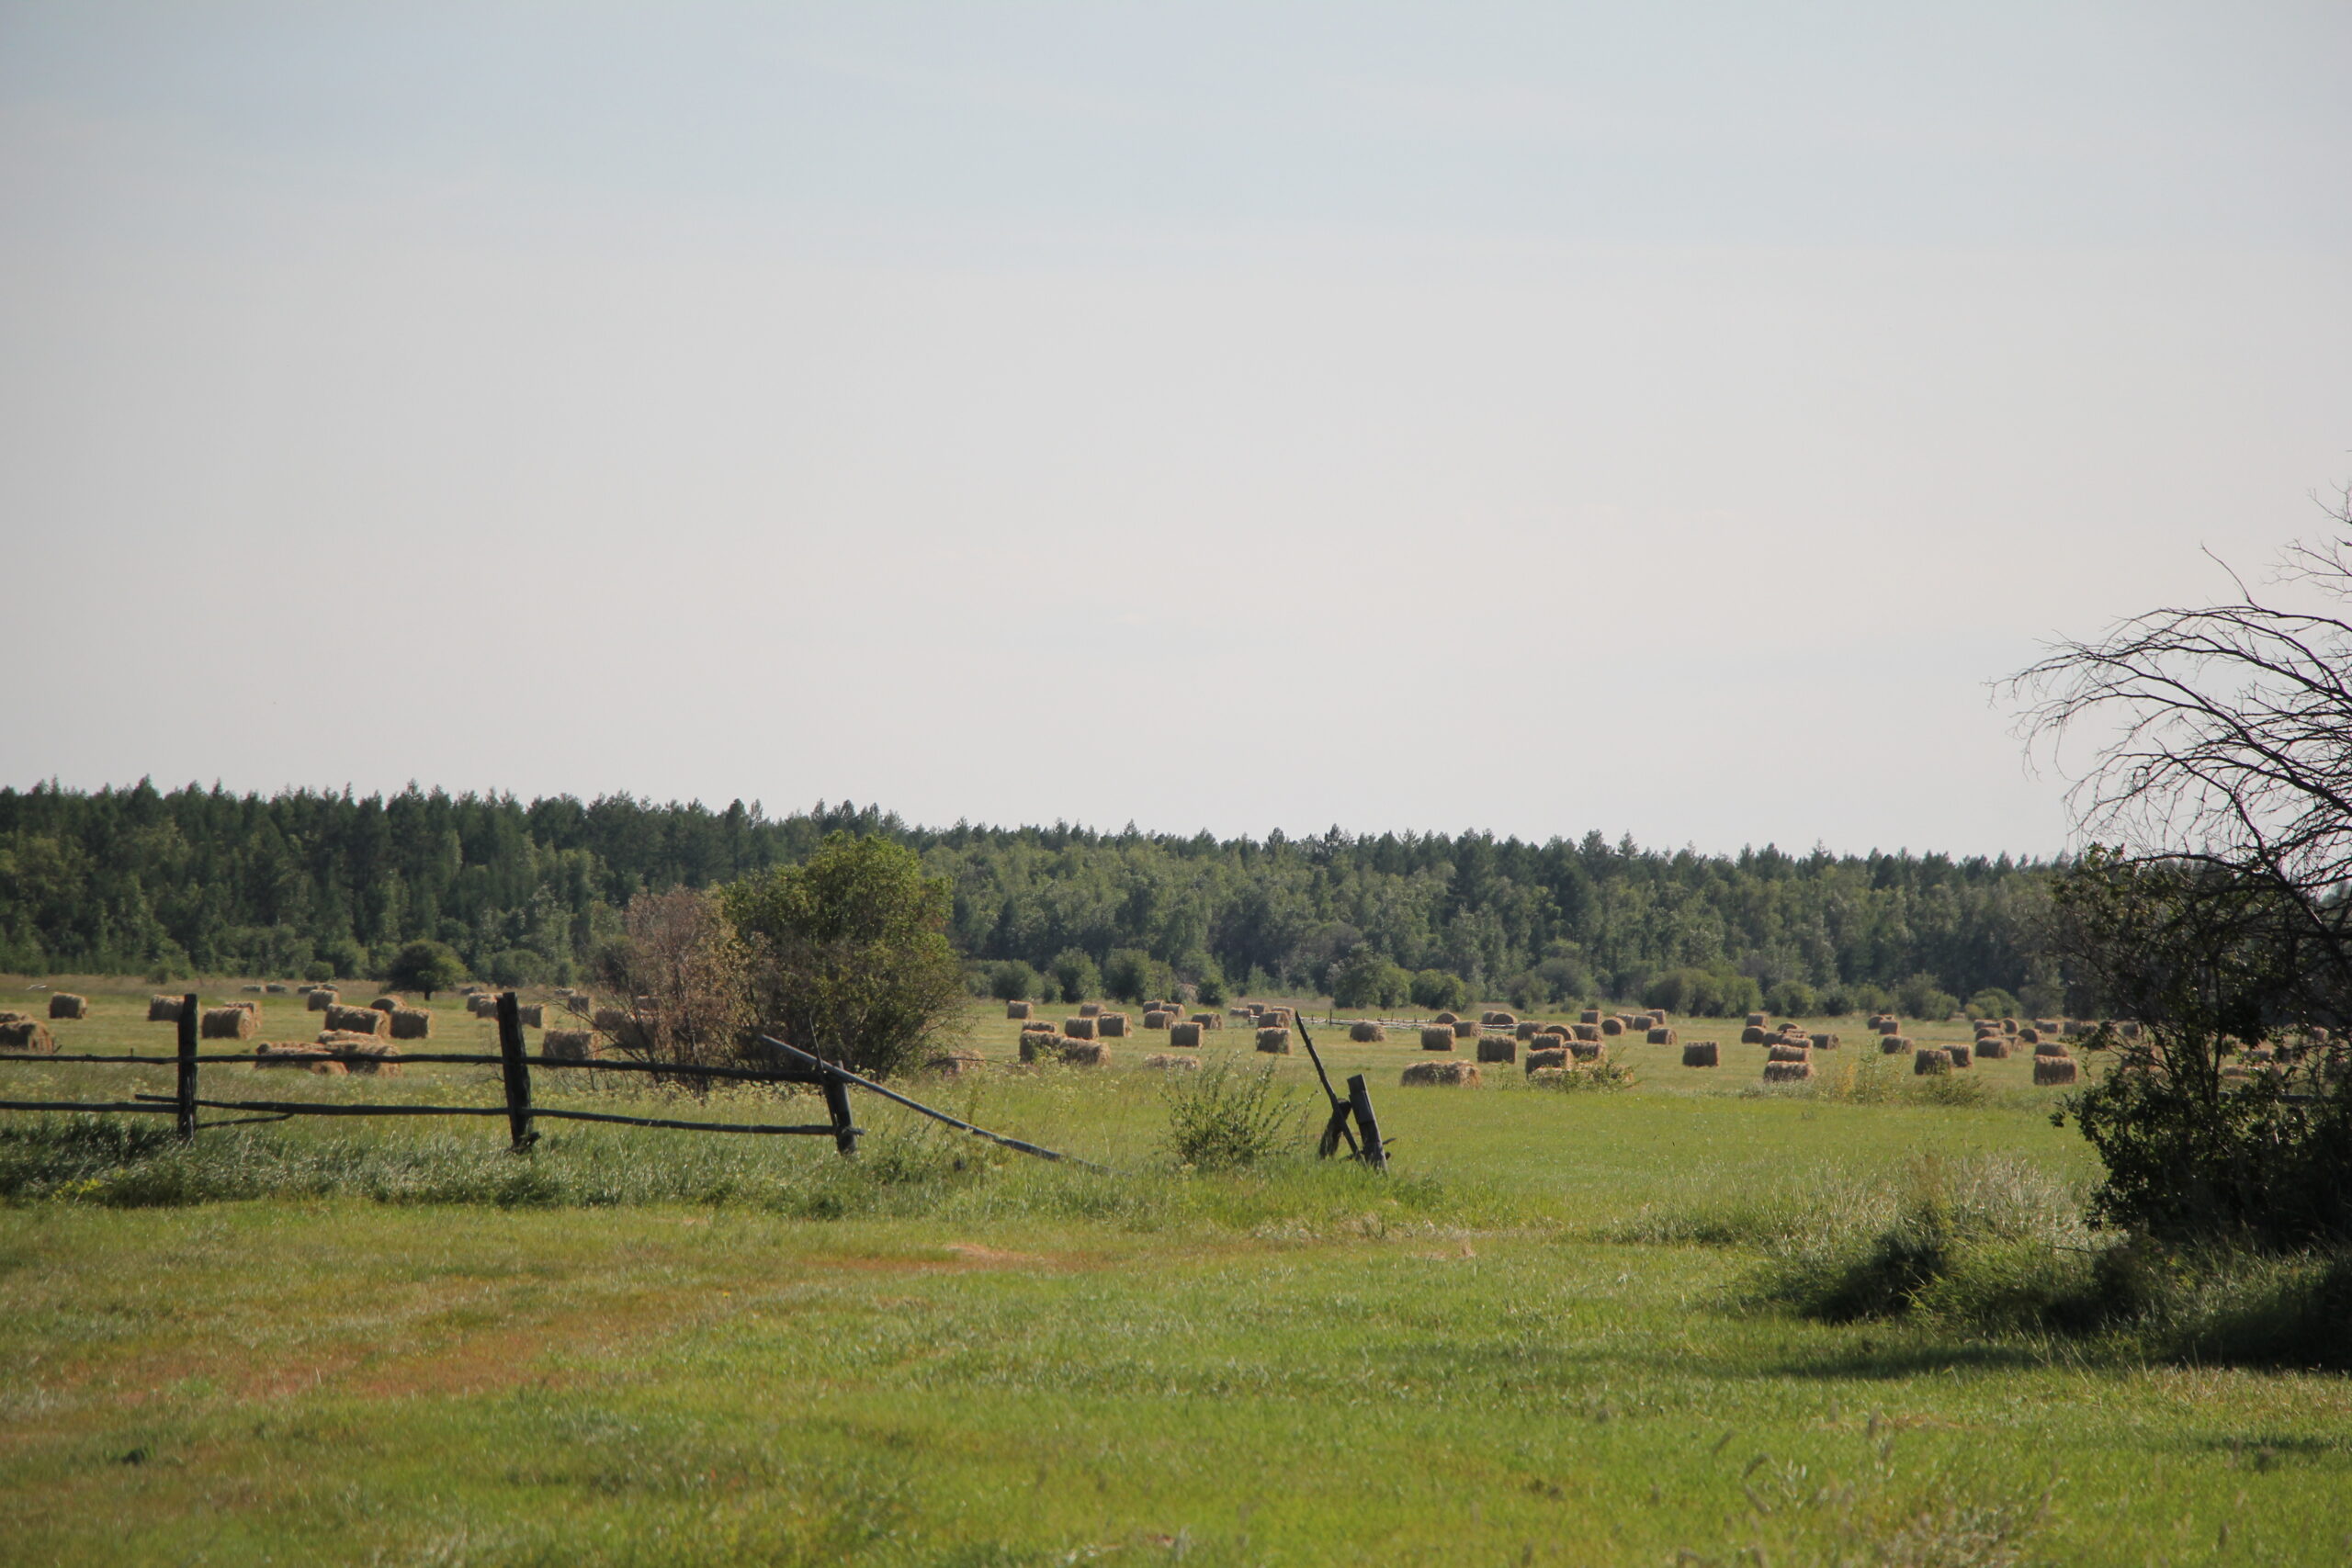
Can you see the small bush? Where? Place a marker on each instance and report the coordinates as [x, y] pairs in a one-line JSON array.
[[1219, 1119], [1074, 972], [1587, 1077], [519, 966], [1437, 990], [1919, 996], [1993, 1002], [1791, 998], [1013, 981]]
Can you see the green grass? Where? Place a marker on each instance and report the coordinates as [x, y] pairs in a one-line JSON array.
[[1545, 1339]]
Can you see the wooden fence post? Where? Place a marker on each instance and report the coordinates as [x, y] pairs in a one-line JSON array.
[[516, 1071], [837, 1102], [1376, 1152], [187, 1087]]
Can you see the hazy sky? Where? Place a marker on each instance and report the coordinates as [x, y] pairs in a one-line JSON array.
[[1662, 419]]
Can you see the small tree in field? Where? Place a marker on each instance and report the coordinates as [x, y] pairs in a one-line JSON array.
[[1074, 972], [427, 966], [1013, 981], [1368, 979], [681, 968], [1126, 974], [848, 954], [1437, 989]]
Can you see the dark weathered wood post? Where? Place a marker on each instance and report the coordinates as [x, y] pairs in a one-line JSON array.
[[516, 1071], [837, 1102], [187, 1087], [1376, 1152]]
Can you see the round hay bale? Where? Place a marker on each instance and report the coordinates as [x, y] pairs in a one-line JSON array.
[[1171, 1061], [65, 1004], [1700, 1053], [412, 1023], [254, 989], [1823, 1041], [1039, 1026], [1993, 1046], [358, 1020], [1497, 1048], [296, 1056], [954, 1064], [1363, 1031], [570, 1044], [2029, 1036], [1590, 1032], [1559, 1031], [27, 1035], [162, 1009], [2055, 1072], [2051, 1048], [1090, 1010], [1961, 1057], [1080, 1027], [1242, 1012], [1111, 1025], [1448, 1019], [227, 1023], [1752, 1035], [318, 999], [1784, 1051], [1588, 1050], [530, 1015], [1552, 1056], [612, 1021], [1464, 1029], [1441, 1075], [1155, 1019], [1274, 1041], [1528, 1029], [1613, 1025], [1496, 1019], [1275, 1018], [1786, 1072], [1208, 1020], [1927, 1061], [1590, 1015], [1755, 1020], [1438, 1038], [1018, 1009], [386, 1004], [1659, 1034], [1085, 1053], [1894, 1045], [1185, 1035], [375, 1057], [1889, 1026]]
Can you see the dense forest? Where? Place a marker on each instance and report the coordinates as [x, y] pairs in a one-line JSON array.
[[140, 881]]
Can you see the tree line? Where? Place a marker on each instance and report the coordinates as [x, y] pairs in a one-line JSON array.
[[168, 882]]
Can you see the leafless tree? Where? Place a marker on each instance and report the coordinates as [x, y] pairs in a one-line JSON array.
[[679, 970]]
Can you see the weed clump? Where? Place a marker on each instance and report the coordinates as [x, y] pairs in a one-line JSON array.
[[1222, 1120]]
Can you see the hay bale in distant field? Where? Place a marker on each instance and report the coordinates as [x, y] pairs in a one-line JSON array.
[[412, 1023], [1274, 1041], [1185, 1035], [2050, 1025], [1821, 1042], [1613, 1025], [2029, 1035], [227, 1023], [1588, 1050], [1961, 1057], [1438, 1038], [1085, 1053], [1441, 1075], [1927, 1061], [2009, 1026], [1496, 1019], [2129, 1029], [1700, 1053], [1528, 1029], [1464, 1029], [1090, 1010], [1588, 1032], [1018, 1009], [1497, 1048], [274, 990], [1756, 1020], [1172, 1062], [1563, 1031], [1995, 1047], [570, 1044], [1547, 1056], [1659, 1034], [1782, 1051], [1448, 1019], [1078, 1028], [1208, 1020], [65, 1004], [1590, 1015], [612, 1021], [1363, 1031], [2074, 1028], [2054, 1072], [10, 1015], [296, 1056], [1275, 1018], [954, 1064], [380, 1059], [1752, 1035], [1111, 1025], [1889, 1026], [386, 1004], [26, 1034], [1040, 1026], [1893, 1044], [1786, 1072], [1242, 1012], [2051, 1048], [254, 989], [162, 1009], [358, 1020], [318, 999], [1156, 1019], [530, 1015]]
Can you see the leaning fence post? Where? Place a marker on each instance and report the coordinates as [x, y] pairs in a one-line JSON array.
[[187, 1087], [515, 1070], [837, 1102], [1376, 1152]]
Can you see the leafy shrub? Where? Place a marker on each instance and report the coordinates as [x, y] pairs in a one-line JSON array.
[[318, 971], [1791, 998], [1919, 996], [1075, 974], [519, 966], [427, 966], [1836, 1001], [1011, 981], [1221, 1119], [1993, 1002], [1127, 974], [1365, 979], [1701, 993], [1580, 1078], [1437, 990]]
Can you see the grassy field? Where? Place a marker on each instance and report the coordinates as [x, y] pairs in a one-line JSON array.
[[1539, 1342]]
